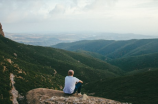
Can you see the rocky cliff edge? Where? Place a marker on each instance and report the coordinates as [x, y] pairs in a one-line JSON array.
[[49, 96], [1, 30]]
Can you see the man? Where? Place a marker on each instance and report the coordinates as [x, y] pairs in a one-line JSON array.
[[72, 84]]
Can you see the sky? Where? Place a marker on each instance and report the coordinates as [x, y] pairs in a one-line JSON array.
[[114, 16]]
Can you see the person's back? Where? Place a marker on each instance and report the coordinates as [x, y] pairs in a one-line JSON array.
[[72, 84]]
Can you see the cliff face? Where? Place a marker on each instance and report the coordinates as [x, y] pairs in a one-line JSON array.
[[1, 30], [49, 96]]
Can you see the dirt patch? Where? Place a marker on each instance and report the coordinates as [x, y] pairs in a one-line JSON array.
[[4, 69]]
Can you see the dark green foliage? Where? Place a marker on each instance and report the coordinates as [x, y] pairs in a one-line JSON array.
[[136, 63], [95, 63], [4, 84], [137, 89], [92, 54], [88, 45]]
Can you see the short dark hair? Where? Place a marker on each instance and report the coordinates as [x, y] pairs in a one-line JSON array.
[[70, 72]]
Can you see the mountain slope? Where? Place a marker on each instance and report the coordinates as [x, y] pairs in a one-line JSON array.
[[35, 66], [136, 63], [113, 49], [93, 54], [137, 89]]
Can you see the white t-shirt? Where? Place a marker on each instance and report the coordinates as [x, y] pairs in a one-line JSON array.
[[70, 83]]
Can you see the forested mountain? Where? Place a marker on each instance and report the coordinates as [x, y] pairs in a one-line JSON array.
[[137, 58], [132, 79], [113, 49], [36, 66]]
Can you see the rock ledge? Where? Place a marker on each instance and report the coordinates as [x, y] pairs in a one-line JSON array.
[[49, 96]]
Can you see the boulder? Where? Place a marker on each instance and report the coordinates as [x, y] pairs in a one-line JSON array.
[[50, 96]]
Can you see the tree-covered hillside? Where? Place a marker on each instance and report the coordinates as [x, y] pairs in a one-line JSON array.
[[4, 84], [113, 49], [36, 66], [137, 89], [137, 58], [93, 54], [135, 63]]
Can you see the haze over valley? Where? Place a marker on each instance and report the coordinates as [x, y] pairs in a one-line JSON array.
[[48, 39]]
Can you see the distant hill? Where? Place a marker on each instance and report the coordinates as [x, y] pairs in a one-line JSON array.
[[113, 49], [36, 66], [136, 89], [132, 56], [137, 63]]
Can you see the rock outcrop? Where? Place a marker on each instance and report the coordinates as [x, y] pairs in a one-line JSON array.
[[49, 96], [13, 91], [1, 30]]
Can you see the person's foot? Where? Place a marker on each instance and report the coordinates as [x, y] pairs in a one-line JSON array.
[[79, 94]]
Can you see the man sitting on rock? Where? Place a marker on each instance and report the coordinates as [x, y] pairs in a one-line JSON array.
[[72, 84]]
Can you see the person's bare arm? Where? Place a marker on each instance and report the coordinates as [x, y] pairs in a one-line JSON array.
[[80, 81]]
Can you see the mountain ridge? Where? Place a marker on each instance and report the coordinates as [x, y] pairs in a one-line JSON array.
[[113, 49]]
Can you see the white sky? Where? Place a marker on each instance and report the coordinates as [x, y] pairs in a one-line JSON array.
[[116, 16]]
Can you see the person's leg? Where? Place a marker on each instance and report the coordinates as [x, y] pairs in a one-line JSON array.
[[78, 87]]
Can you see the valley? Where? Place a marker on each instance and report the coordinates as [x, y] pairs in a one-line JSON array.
[[34, 67], [137, 59], [53, 38], [127, 78]]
